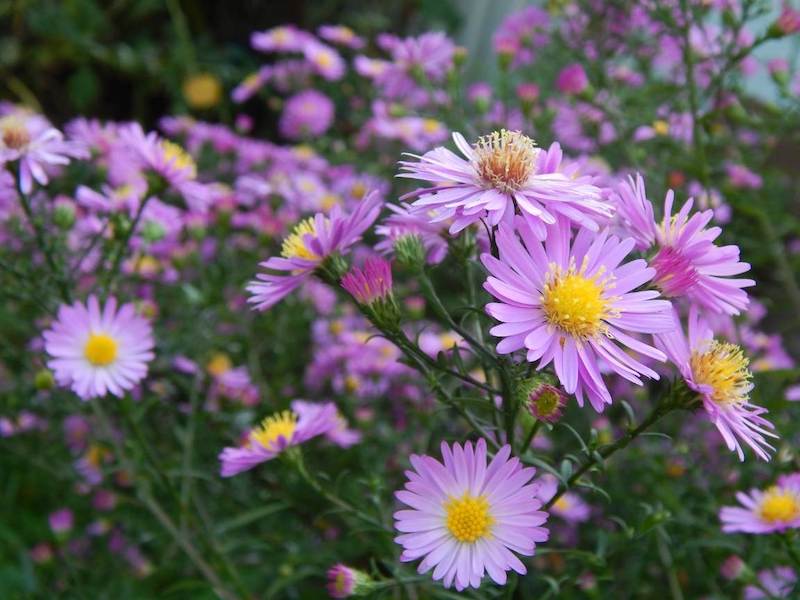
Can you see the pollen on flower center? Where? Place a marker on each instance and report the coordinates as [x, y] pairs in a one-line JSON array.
[[468, 518], [505, 159], [723, 367], [276, 430], [178, 157], [100, 349], [294, 246], [13, 133], [779, 505], [574, 303]]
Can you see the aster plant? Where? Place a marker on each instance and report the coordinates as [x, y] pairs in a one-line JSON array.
[[521, 376]]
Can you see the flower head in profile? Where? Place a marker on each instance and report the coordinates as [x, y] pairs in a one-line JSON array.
[[95, 350], [688, 263], [572, 303], [764, 511], [278, 432], [306, 248], [503, 173], [718, 372], [346, 582], [371, 283], [36, 147], [467, 518]]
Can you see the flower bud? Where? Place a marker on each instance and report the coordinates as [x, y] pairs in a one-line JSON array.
[[64, 214], [346, 582], [410, 252], [44, 380]]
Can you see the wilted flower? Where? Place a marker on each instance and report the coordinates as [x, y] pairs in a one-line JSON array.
[[466, 518], [504, 172]]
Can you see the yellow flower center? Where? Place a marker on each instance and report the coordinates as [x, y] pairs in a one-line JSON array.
[[273, 428], [358, 190], [562, 503], [779, 506], [13, 133], [574, 303], [324, 59], [219, 364], [352, 383], [661, 127], [340, 582], [100, 349], [505, 159], [294, 246], [468, 518], [723, 367], [202, 90], [431, 126], [178, 157]]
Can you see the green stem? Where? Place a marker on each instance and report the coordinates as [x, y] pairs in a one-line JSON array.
[[529, 438], [152, 505], [297, 460], [111, 274], [658, 412], [44, 247]]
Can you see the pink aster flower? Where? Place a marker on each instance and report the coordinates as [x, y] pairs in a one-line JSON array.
[[572, 303], [309, 244], [572, 79], [61, 521], [772, 510], [95, 350], [370, 283], [718, 372], [467, 518], [278, 432], [503, 173], [36, 148], [688, 263], [340, 34], [306, 114]]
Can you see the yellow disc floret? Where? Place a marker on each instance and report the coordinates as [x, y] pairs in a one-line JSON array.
[[100, 349], [723, 367], [269, 433], [294, 246], [505, 159], [178, 158], [575, 303], [13, 133], [779, 505], [467, 518]]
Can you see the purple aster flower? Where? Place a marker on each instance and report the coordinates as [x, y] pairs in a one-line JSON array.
[[504, 172], [61, 521], [572, 79], [718, 372], [778, 582], [278, 432], [688, 264], [570, 506], [36, 148], [309, 244], [284, 38], [772, 510], [306, 114], [572, 303], [340, 34], [96, 350], [467, 518], [324, 60]]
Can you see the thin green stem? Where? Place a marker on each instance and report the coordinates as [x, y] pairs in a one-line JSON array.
[[41, 241], [299, 463], [111, 274], [658, 412], [152, 505], [529, 438]]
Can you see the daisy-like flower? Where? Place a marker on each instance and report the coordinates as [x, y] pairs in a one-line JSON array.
[[764, 511], [95, 350], [570, 507], [35, 148], [773, 583], [309, 244], [572, 303], [503, 173], [278, 432], [467, 518], [718, 372], [688, 263]]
